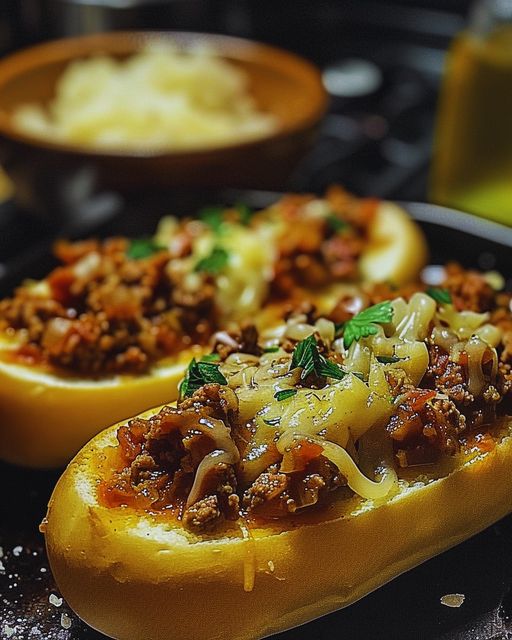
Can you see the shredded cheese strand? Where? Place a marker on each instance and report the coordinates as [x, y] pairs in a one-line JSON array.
[[356, 480], [249, 557]]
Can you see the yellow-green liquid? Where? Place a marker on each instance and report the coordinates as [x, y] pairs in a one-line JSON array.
[[472, 165]]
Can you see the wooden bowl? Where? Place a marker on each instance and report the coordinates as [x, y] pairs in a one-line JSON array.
[[53, 174]]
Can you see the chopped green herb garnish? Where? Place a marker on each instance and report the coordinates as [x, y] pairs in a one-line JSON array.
[[244, 212], [273, 422], [442, 296], [307, 357], [215, 262], [210, 357], [142, 248], [271, 349], [198, 374], [364, 323], [388, 359], [213, 217], [335, 223], [284, 394], [331, 369]]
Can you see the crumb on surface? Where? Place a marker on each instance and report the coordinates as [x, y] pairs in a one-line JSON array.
[[65, 621], [453, 600], [8, 631], [54, 600]]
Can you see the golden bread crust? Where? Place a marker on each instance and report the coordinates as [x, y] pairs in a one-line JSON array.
[[136, 578]]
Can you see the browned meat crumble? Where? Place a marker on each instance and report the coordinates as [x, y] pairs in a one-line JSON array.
[[315, 251], [469, 289], [161, 455], [106, 312]]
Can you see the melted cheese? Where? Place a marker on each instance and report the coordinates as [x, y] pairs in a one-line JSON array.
[[243, 286], [340, 413], [356, 480], [225, 452], [345, 411], [249, 557]]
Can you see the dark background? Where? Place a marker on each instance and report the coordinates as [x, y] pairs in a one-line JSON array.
[[379, 130], [377, 143]]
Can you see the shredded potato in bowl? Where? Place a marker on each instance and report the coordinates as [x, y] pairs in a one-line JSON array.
[[161, 98]]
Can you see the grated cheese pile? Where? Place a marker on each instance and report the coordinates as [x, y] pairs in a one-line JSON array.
[[161, 98]]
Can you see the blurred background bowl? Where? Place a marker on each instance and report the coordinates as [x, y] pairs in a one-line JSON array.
[[53, 176]]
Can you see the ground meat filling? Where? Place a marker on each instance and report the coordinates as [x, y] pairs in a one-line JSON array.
[[501, 316], [161, 455], [105, 313], [423, 427], [446, 376], [106, 310], [432, 419], [221, 501], [243, 340], [163, 458], [274, 494], [321, 249], [469, 289]]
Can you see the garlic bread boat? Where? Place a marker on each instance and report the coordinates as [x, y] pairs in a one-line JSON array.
[[109, 332], [295, 476]]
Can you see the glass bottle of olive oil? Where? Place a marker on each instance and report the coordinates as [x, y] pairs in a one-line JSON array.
[[472, 163]]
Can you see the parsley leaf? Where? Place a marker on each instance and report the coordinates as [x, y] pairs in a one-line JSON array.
[[336, 224], [442, 296], [307, 357], [142, 248], [284, 394], [363, 324], [330, 369], [199, 374], [388, 359], [215, 262], [213, 217], [244, 213], [210, 357], [273, 422], [272, 349]]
